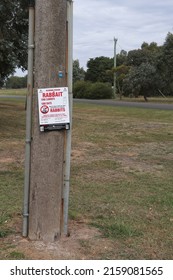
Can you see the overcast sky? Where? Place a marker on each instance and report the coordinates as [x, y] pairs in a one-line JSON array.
[[97, 22]]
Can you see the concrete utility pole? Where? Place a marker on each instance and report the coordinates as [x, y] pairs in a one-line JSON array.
[[115, 64], [46, 204]]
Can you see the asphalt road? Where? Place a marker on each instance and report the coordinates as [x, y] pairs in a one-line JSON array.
[[116, 103]]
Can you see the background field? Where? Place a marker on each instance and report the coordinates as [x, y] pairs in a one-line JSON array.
[[121, 199], [22, 91]]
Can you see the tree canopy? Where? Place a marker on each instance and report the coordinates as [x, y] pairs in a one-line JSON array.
[[150, 69], [13, 36], [97, 69], [165, 65]]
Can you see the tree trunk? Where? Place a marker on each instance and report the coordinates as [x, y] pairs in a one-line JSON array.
[[47, 149]]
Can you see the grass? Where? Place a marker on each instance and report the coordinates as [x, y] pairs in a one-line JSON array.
[[14, 255], [12, 126], [3, 220], [157, 99], [121, 179], [14, 92]]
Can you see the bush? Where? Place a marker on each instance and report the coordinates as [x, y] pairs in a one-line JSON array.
[[88, 90], [100, 91], [81, 89]]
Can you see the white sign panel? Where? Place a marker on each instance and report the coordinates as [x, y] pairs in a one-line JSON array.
[[53, 106]]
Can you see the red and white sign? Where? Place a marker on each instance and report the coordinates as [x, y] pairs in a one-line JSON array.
[[53, 106]]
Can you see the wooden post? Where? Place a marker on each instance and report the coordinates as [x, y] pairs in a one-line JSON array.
[[47, 148]]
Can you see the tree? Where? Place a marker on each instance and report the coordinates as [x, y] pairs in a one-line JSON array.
[[135, 57], [121, 58], [165, 65], [147, 54], [141, 80], [78, 72], [121, 73], [97, 69], [144, 75], [13, 36]]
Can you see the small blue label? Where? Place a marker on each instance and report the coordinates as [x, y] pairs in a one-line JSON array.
[[60, 74]]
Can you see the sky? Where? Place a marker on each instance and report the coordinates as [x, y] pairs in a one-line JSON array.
[[97, 22], [132, 22]]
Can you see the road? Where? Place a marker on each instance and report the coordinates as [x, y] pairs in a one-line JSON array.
[[117, 103]]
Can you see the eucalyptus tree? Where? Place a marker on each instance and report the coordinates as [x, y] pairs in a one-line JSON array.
[[78, 72], [141, 80]]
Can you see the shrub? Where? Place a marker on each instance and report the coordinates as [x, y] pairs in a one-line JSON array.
[[101, 91], [81, 89], [88, 90]]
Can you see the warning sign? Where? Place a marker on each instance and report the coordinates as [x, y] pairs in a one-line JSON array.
[[53, 106]]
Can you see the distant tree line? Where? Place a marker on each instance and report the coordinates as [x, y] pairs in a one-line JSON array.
[[16, 82], [147, 71]]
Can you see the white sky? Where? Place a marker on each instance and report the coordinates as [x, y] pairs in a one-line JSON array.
[[97, 22]]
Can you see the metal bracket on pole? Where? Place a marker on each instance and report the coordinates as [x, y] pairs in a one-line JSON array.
[[30, 47], [54, 127]]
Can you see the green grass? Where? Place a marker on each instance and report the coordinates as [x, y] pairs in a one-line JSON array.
[[123, 184], [11, 190], [116, 230], [12, 126], [16, 256], [21, 92], [121, 178], [158, 99]]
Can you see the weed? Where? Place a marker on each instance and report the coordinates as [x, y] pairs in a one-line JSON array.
[[15, 255], [4, 233], [113, 229], [73, 214]]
